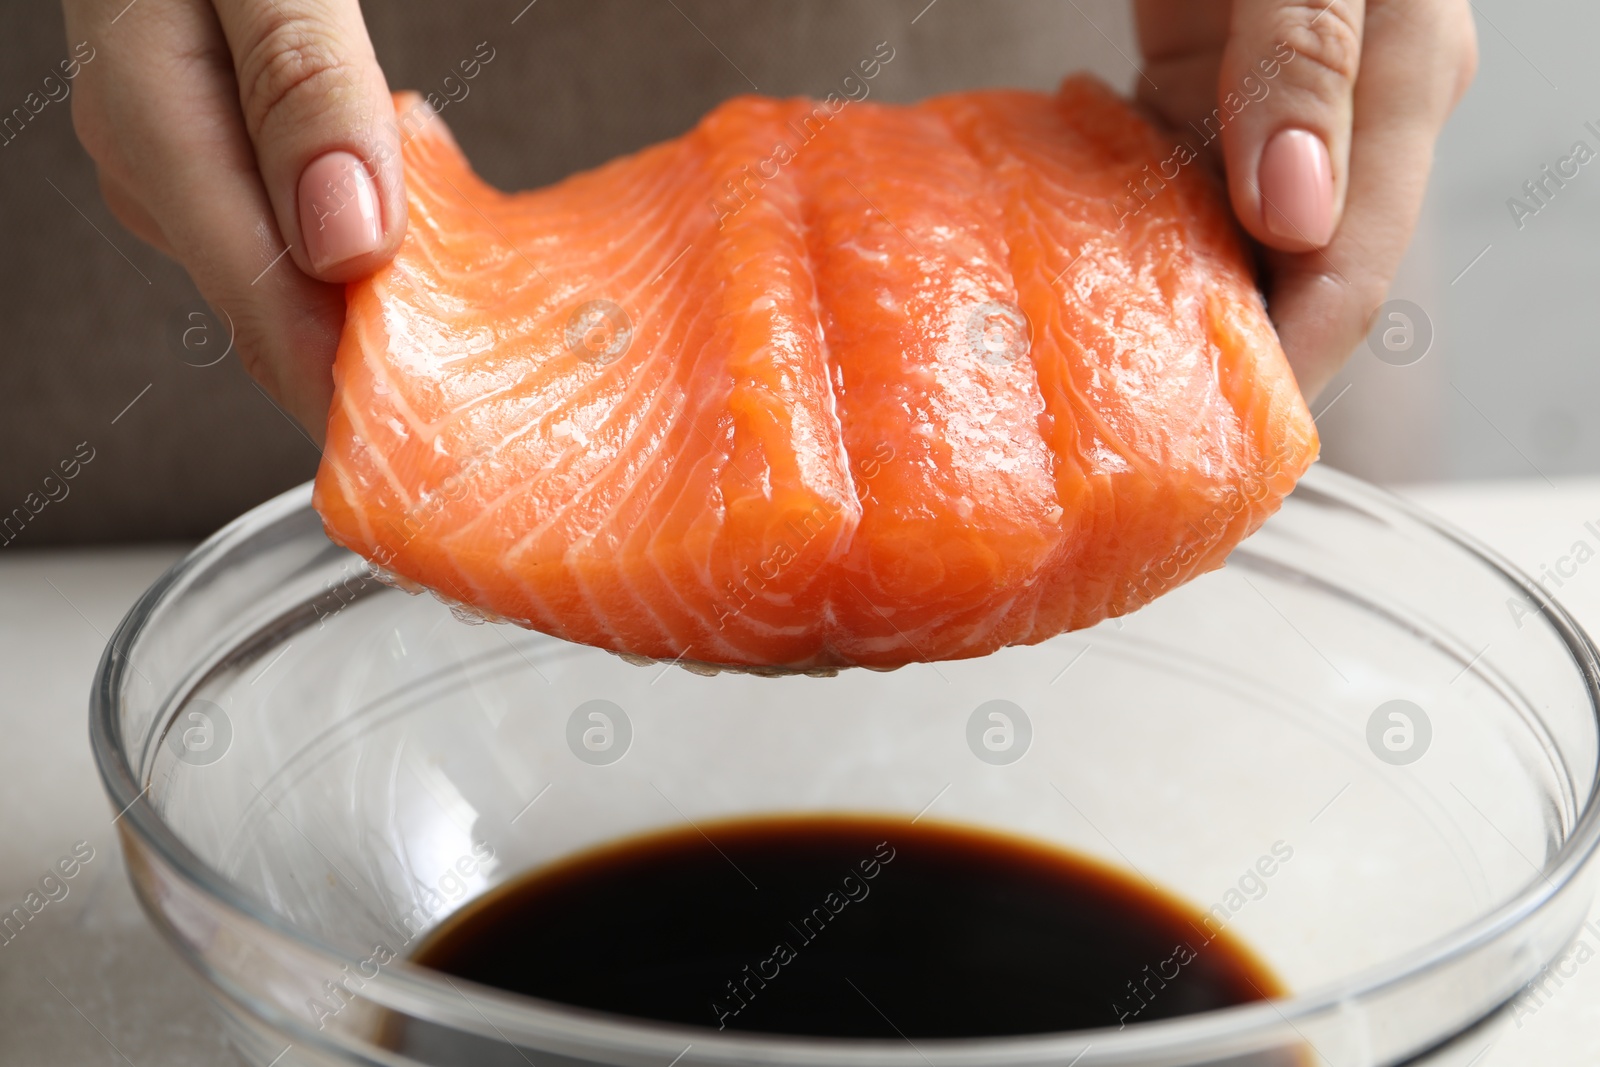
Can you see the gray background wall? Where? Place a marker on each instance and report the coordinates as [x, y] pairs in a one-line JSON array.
[[90, 319], [1510, 385]]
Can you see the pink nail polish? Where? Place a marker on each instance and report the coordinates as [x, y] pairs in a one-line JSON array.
[[338, 210], [1296, 180]]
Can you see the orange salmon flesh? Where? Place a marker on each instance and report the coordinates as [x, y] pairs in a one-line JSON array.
[[815, 386]]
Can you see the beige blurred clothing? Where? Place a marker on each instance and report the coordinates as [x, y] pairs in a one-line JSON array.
[[93, 321]]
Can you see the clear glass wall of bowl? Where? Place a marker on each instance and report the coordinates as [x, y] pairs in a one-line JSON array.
[[1361, 747]]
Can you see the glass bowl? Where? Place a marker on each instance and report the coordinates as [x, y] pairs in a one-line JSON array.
[[314, 769]]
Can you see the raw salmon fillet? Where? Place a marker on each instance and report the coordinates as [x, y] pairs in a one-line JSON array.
[[816, 384]]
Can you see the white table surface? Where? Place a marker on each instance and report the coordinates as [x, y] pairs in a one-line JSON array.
[[88, 982]]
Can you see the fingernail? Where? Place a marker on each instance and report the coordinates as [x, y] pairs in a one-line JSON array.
[[338, 210], [1297, 187]]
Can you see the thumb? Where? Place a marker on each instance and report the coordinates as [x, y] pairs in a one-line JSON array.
[[1285, 105], [319, 114]]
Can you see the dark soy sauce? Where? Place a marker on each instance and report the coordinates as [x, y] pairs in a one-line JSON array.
[[848, 927]]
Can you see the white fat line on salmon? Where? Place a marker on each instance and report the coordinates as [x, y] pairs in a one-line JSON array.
[[1142, 194], [739, 192], [742, 594], [344, 589], [854, 889]]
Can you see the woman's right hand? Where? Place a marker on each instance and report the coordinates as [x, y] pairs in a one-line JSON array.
[[227, 131], [1336, 105]]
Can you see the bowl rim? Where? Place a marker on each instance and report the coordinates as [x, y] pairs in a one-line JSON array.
[[401, 984]]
